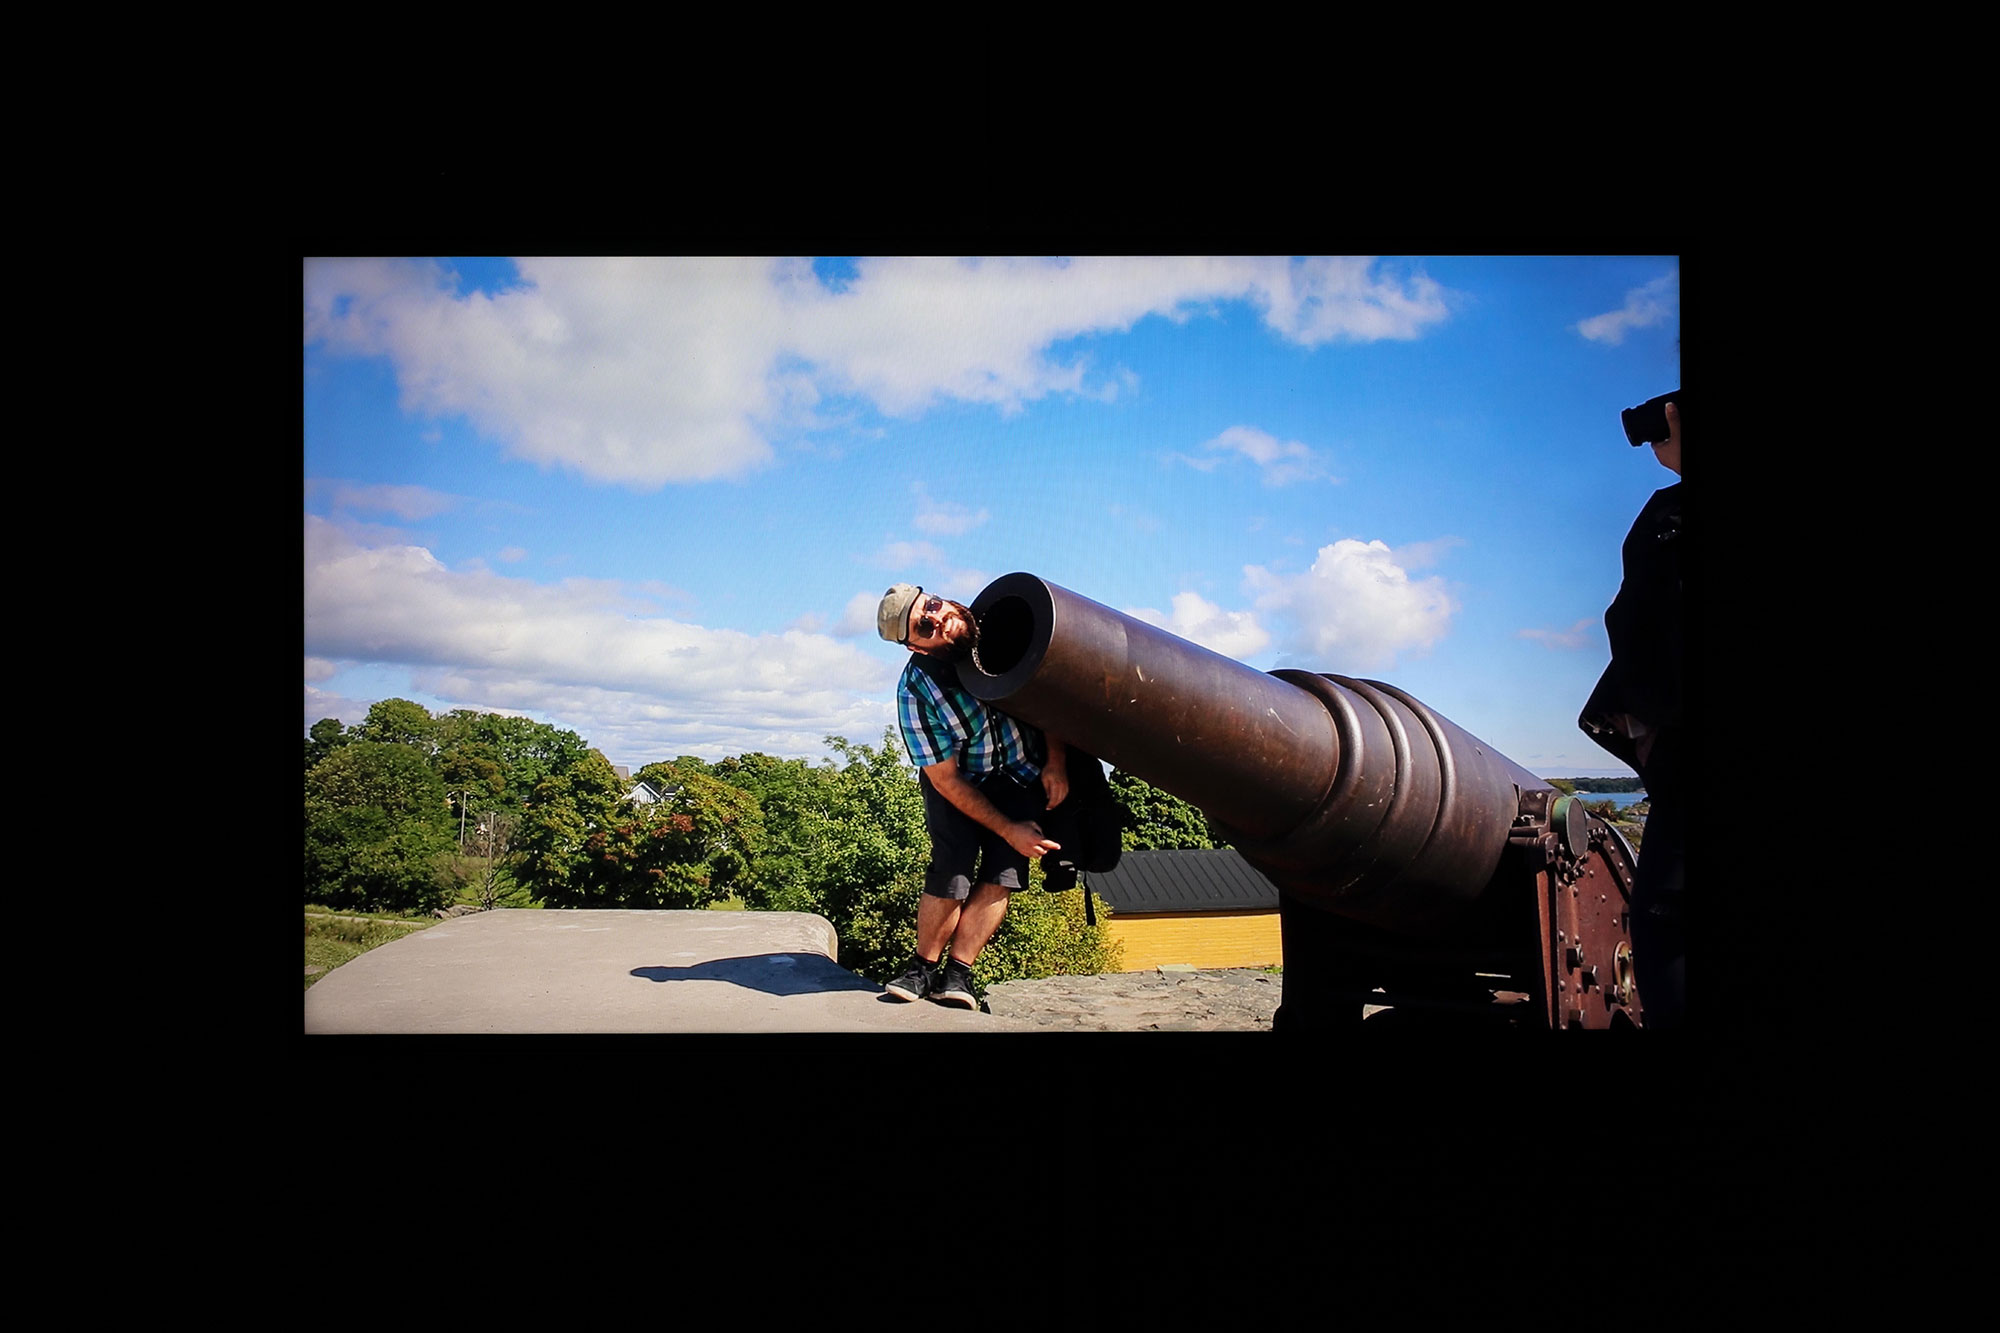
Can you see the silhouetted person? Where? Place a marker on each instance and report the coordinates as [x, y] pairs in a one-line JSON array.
[[1635, 713]]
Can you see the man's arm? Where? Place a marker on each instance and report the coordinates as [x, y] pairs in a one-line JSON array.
[[1055, 773], [1022, 835]]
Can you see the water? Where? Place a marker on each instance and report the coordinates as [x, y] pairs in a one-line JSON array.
[[1619, 799]]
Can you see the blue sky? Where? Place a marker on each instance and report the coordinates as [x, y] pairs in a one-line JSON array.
[[654, 501]]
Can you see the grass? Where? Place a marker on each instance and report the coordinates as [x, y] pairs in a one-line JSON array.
[[335, 938]]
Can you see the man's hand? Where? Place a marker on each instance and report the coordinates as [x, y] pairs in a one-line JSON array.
[[1023, 836], [1028, 839], [1668, 451], [1055, 773]]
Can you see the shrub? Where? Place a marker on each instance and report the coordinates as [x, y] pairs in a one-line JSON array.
[[1045, 935]]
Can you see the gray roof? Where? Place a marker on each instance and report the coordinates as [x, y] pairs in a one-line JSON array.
[[1209, 880]]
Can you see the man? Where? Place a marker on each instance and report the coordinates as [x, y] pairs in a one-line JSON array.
[[985, 777], [1635, 713]]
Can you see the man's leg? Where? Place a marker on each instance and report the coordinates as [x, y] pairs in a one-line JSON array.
[[954, 854], [937, 918], [983, 912], [984, 909]]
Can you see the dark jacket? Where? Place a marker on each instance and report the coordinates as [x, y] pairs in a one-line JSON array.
[[1087, 824], [1644, 624]]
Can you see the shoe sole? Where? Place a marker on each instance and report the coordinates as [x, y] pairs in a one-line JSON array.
[[902, 994], [959, 998]]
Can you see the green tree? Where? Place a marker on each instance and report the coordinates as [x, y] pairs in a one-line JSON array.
[[324, 737], [1156, 820], [400, 722], [588, 845], [377, 830], [714, 828], [473, 778], [562, 813], [797, 802]]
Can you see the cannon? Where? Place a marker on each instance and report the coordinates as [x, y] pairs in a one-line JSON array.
[[1417, 867]]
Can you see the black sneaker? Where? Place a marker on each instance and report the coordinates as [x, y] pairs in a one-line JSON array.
[[919, 979], [955, 987]]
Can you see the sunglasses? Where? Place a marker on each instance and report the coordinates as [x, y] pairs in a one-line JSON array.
[[927, 623]]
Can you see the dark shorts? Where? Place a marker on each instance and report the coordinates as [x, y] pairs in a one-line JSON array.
[[965, 852]]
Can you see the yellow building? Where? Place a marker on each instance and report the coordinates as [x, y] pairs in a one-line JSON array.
[[1204, 908]]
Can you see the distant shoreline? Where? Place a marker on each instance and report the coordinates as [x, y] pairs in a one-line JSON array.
[[1602, 786]]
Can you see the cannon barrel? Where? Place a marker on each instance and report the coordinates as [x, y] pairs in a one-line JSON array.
[[1349, 793], [1361, 804]]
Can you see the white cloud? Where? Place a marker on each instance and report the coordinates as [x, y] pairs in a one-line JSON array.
[[906, 332], [1231, 633], [1654, 303], [405, 502], [908, 555], [1348, 298], [1580, 635], [858, 616], [941, 518], [640, 371], [649, 371], [323, 703], [1422, 555], [1356, 609], [1281, 462], [589, 653]]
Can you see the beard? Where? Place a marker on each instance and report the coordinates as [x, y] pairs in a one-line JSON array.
[[962, 647]]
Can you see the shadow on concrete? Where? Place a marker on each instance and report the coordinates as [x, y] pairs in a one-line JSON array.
[[772, 973]]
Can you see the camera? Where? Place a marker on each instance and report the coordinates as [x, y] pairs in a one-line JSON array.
[[1647, 422]]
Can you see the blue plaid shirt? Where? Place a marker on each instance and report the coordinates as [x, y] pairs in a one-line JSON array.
[[941, 723]]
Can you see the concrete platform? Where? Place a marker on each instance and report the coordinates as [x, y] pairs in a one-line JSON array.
[[526, 971]]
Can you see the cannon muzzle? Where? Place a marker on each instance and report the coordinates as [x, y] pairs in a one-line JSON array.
[[1393, 835]]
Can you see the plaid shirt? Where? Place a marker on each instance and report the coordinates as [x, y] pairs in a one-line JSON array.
[[941, 723]]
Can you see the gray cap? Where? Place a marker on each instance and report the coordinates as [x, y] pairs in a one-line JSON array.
[[892, 617]]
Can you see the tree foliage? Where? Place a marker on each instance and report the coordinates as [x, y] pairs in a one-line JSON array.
[[400, 722], [325, 736], [377, 830], [1156, 820], [1046, 935], [848, 842], [845, 840], [563, 812], [690, 849], [491, 761], [1573, 785]]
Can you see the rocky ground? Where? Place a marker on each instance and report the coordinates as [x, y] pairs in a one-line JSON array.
[[1159, 1000]]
